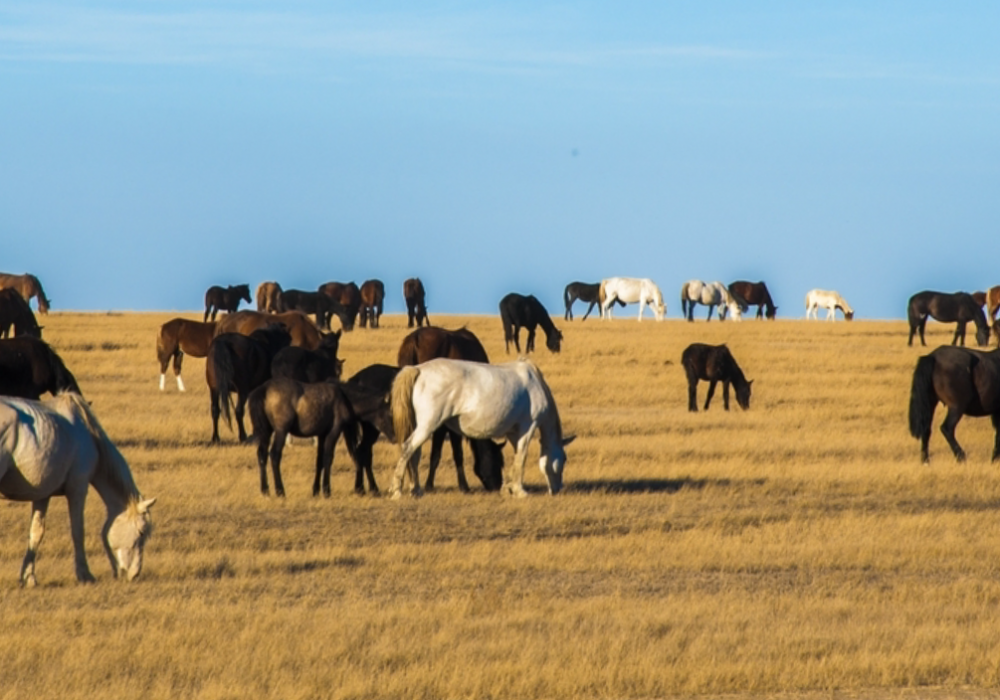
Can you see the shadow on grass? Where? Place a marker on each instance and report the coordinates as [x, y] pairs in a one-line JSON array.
[[629, 486]]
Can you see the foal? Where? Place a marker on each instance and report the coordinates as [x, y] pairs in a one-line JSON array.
[[714, 363]]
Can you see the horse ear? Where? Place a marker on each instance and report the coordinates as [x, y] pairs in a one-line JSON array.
[[144, 506], [568, 440]]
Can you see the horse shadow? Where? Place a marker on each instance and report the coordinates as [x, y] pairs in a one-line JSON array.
[[641, 486]]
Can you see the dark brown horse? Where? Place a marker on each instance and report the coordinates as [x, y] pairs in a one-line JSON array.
[[348, 297], [958, 307], [240, 363], [309, 365], [27, 286], [14, 311], [218, 299], [967, 382], [372, 296], [587, 293], [177, 337], [754, 294], [431, 342], [269, 298], [714, 363], [517, 311], [316, 303], [304, 332], [29, 368], [416, 308]]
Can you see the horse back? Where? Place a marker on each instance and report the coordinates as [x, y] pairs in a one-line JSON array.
[[967, 378]]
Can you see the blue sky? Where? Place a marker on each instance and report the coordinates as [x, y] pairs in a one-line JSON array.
[[150, 149]]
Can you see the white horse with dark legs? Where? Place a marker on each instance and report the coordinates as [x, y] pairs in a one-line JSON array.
[[711, 295], [482, 402], [631, 290], [58, 448], [831, 301]]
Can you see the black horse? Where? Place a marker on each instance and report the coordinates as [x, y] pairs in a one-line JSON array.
[[29, 368], [320, 305], [714, 363], [966, 381], [228, 299], [241, 363], [754, 294], [589, 293], [309, 365], [517, 311], [14, 311], [416, 309], [959, 307]]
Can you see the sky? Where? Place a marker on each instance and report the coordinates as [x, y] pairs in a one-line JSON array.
[[150, 149]]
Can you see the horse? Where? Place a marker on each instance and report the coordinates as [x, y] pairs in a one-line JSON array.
[[14, 311], [372, 295], [178, 336], [480, 401], [831, 301], [304, 332], [589, 293], [714, 363], [316, 303], [27, 286], [517, 311], [959, 307], [711, 295], [228, 299], [992, 303], [309, 365], [430, 342], [58, 448], [631, 290], [29, 367], [416, 309], [269, 298], [241, 363], [281, 407], [967, 382], [754, 294], [348, 300]]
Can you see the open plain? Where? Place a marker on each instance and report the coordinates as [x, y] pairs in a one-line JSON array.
[[797, 548]]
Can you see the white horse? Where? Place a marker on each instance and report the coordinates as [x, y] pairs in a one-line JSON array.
[[831, 301], [711, 295], [58, 447], [482, 402], [631, 290]]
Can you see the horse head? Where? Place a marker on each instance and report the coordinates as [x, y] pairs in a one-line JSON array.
[[743, 394], [552, 463], [848, 315], [244, 291], [771, 313], [983, 335], [126, 535], [553, 340]]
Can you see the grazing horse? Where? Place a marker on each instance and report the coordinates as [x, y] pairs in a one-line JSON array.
[[480, 401], [631, 290], [283, 407], [241, 363], [372, 296], [589, 293], [416, 309], [714, 363], [754, 294], [431, 342], [959, 307], [58, 448], [178, 336], [309, 365], [228, 299], [967, 382], [269, 298], [711, 295], [831, 301], [27, 286], [14, 311], [316, 303], [29, 367], [348, 301], [304, 332], [517, 311]]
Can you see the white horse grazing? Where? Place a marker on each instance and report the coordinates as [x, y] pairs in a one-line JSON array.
[[711, 295], [831, 301], [58, 447], [482, 402], [631, 290]]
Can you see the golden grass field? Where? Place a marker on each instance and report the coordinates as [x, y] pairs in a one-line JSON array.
[[796, 548]]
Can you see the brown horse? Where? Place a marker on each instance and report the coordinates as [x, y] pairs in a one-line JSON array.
[[416, 309], [992, 296], [269, 298], [714, 363], [29, 367], [754, 294], [27, 286], [14, 311], [225, 299], [179, 336], [347, 296], [304, 332], [431, 342], [372, 295]]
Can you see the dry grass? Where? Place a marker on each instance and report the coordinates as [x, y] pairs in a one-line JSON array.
[[799, 547]]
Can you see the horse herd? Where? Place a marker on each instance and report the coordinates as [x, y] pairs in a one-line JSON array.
[[282, 368]]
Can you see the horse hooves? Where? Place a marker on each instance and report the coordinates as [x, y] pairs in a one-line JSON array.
[[29, 581]]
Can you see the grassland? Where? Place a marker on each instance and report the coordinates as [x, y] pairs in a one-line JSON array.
[[796, 548]]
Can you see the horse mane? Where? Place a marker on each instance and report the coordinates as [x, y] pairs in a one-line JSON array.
[[548, 395], [111, 463]]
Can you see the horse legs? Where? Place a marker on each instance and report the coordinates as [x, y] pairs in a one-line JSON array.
[[363, 460], [923, 324], [277, 445], [530, 345], [513, 476], [263, 443], [437, 443], [324, 459], [959, 333], [241, 402], [996, 441], [216, 412], [409, 459], [35, 534], [458, 455], [692, 378], [948, 430], [711, 391], [76, 499], [589, 309], [725, 394]]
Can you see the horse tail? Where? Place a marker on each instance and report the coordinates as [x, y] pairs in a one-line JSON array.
[[923, 398], [224, 369], [404, 419], [684, 299]]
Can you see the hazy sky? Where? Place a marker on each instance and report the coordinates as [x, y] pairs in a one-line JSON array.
[[150, 149]]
